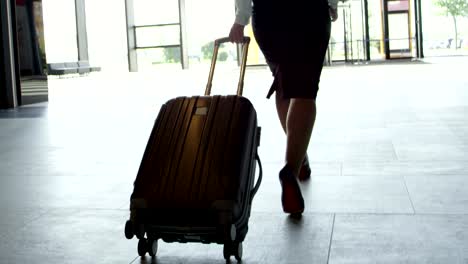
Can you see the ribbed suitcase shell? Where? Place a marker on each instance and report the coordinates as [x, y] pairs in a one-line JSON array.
[[199, 162]]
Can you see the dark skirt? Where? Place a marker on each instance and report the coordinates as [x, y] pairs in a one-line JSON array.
[[294, 41]]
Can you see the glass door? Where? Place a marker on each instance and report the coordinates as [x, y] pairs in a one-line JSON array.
[[347, 40], [398, 30]]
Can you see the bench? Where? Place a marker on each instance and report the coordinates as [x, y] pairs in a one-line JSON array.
[[79, 67]]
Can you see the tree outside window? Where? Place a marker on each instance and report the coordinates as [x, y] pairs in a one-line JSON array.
[[455, 9]]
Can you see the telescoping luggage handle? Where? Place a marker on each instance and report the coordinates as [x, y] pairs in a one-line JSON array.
[[217, 44]]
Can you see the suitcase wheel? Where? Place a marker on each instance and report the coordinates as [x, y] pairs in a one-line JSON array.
[[233, 249], [129, 230], [142, 247], [152, 247], [147, 246]]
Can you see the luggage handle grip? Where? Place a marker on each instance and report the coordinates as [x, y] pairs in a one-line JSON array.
[[259, 180], [245, 49]]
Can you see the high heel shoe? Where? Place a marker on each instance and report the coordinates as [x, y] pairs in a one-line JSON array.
[[291, 197], [304, 173]]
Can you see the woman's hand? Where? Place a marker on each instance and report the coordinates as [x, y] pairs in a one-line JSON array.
[[237, 33], [333, 14]]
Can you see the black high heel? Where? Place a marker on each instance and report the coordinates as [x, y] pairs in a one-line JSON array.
[[291, 196], [304, 173]]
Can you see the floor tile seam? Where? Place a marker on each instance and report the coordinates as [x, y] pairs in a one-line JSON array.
[[428, 159], [338, 213], [59, 209], [396, 214], [273, 160], [394, 151], [390, 175], [89, 209], [46, 211], [447, 175], [359, 176], [331, 239], [62, 176], [383, 176], [409, 195], [286, 215], [135, 259]]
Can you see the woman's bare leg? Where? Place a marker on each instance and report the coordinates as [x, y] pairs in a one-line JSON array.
[[282, 107], [300, 121]]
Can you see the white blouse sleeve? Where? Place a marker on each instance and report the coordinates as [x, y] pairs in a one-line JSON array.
[[333, 3], [243, 11]]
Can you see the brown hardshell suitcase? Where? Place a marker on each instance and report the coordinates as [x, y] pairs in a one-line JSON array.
[[196, 181]]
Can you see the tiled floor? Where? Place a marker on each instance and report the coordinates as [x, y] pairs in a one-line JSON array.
[[389, 161]]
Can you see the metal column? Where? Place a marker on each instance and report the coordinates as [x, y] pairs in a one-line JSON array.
[[131, 39], [419, 31], [385, 27], [183, 35], [82, 36], [366, 30]]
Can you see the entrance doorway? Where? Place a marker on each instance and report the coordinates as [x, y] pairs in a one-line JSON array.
[[347, 40], [398, 29]]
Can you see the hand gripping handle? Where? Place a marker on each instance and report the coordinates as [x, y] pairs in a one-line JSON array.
[[217, 44]]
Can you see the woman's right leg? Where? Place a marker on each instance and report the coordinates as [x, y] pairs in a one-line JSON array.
[[299, 124], [282, 108]]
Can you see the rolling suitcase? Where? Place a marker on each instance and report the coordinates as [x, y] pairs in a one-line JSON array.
[[196, 179]]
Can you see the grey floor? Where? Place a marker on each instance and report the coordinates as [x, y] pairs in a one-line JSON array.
[[389, 161]]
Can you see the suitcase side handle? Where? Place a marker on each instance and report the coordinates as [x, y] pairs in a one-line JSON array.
[[259, 180], [245, 49]]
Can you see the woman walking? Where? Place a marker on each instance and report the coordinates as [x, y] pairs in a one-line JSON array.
[[293, 36]]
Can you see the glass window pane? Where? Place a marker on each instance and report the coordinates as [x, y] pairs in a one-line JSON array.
[[255, 55], [157, 36], [337, 37], [347, 36], [356, 34], [107, 38], [376, 44], [441, 40], [398, 5], [208, 20], [149, 59], [398, 31], [59, 29], [150, 12]]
